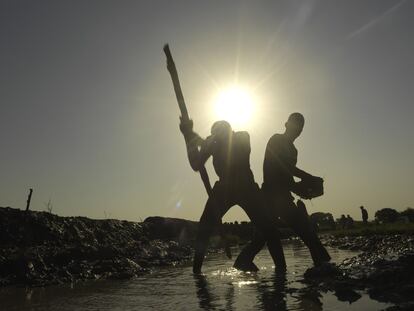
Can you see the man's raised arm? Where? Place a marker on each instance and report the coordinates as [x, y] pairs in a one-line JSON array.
[[198, 149]]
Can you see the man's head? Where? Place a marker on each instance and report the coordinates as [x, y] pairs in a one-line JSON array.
[[221, 130], [294, 125], [361, 207]]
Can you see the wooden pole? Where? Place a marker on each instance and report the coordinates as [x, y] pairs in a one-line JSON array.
[[29, 198], [184, 114]]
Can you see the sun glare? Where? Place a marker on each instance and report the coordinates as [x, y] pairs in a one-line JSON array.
[[235, 105]]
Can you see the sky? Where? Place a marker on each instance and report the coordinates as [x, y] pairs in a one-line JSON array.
[[89, 119]]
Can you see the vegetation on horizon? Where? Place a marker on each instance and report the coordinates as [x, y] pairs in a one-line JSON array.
[[374, 229]]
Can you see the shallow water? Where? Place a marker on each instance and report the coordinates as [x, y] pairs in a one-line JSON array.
[[175, 288]]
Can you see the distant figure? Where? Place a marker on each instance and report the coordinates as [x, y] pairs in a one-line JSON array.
[[231, 160], [364, 215], [279, 170], [342, 221], [349, 222]]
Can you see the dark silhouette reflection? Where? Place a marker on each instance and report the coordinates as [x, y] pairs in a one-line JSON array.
[[208, 301], [347, 294], [230, 298], [273, 296], [309, 299], [205, 298]]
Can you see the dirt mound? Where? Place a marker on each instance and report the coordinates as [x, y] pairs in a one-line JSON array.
[[39, 248]]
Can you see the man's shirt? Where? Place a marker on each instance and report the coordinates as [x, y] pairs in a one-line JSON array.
[[231, 160], [280, 158]]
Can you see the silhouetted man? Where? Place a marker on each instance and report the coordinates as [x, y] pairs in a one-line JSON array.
[[349, 222], [279, 170], [342, 221], [231, 160], [364, 215]]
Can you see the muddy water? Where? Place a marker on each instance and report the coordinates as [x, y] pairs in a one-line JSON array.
[[221, 288]]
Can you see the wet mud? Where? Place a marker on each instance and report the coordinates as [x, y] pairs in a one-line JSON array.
[[384, 269]]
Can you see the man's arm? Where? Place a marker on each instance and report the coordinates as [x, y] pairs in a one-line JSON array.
[[198, 149], [297, 172]]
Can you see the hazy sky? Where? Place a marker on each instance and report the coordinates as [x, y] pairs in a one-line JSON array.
[[88, 117]]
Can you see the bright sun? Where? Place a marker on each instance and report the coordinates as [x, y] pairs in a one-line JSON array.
[[235, 105]]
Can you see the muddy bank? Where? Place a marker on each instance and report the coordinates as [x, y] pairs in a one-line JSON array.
[[384, 269], [39, 248]]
